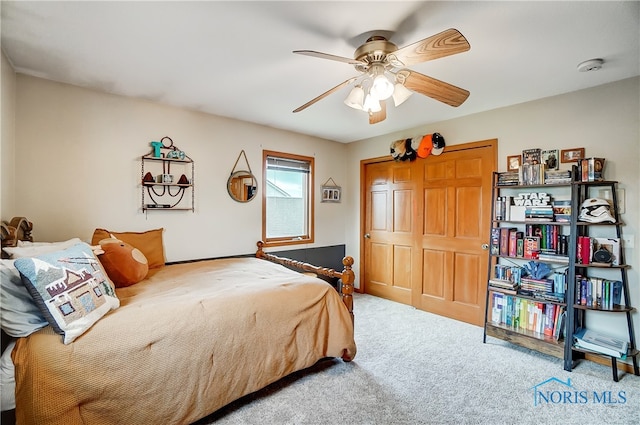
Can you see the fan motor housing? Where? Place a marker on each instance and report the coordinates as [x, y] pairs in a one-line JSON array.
[[374, 50]]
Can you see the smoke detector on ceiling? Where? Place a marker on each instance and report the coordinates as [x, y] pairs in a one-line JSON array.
[[590, 65]]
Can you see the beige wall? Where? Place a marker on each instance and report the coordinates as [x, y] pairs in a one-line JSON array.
[[78, 163], [605, 120], [77, 160], [7, 141]]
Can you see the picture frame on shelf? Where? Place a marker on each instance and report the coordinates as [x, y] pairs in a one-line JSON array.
[[513, 162], [531, 156], [550, 160], [571, 155]]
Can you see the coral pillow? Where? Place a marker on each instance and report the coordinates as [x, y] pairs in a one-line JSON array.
[[149, 243], [124, 264]]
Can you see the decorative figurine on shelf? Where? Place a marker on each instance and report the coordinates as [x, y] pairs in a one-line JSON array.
[[156, 148], [176, 154]]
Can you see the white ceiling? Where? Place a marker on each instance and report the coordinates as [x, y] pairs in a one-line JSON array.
[[235, 59]]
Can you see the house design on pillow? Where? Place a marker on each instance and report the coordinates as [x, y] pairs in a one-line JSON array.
[[74, 293]]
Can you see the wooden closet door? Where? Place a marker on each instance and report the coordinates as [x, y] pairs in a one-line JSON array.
[[389, 228], [424, 226], [456, 205]]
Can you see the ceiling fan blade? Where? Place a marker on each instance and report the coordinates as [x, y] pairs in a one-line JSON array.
[[381, 115], [446, 43], [328, 56], [325, 94], [436, 89]]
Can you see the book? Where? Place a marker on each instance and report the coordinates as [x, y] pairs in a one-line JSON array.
[[495, 241], [513, 242], [531, 246], [504, 240], [601, 343], [559, 330]]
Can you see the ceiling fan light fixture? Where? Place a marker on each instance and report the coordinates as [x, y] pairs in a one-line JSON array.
[[371, 104], [382, 88], [355, 99], [400, 94]]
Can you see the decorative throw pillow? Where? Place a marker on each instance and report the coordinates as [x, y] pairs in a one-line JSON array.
[[124, 264], [19, 314], [70, 287], [149, 242]]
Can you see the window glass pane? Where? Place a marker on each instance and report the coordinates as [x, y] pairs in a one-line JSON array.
[[287, 198]]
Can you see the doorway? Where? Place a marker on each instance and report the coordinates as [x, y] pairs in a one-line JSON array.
[[425, 224]]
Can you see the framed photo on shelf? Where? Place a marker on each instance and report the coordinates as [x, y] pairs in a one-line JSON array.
[[513, 162], [531, 156], [571, 155], [550, 159]]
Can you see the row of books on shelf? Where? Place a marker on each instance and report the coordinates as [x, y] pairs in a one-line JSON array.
[[511, 208], [590, 169], [596, 292], [545, 242], [587, 170], [600, 343], [533, 174], [542, 290], [537, 241], [543, 319]]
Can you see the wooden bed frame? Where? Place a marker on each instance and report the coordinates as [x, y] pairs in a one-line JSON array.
[[347, 276], [18, 229]]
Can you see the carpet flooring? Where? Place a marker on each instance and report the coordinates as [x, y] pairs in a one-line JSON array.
[[414, 367]]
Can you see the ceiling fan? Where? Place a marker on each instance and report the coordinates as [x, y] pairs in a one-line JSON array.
[[384, 73]]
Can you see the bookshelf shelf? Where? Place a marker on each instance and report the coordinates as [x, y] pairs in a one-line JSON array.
[[615, 309], [565, 239], [526, 339]]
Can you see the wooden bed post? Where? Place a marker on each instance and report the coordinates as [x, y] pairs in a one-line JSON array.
[[347, 276]]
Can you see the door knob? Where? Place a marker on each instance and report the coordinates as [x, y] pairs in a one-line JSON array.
[[485, 246], [367, 236]]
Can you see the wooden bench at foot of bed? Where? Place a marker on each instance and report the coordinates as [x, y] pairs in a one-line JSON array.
[[347, 276]]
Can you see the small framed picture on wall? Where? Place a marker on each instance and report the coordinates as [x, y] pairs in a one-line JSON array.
[[513, 162], [571, 155], [550, 159]]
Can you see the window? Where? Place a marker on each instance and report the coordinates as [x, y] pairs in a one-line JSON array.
[[287, 200]]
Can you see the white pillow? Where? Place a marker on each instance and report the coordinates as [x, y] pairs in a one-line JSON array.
[[7, 379], [34, 249], [19, 314]]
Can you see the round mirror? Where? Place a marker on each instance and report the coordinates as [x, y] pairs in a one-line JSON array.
[[242, 186]]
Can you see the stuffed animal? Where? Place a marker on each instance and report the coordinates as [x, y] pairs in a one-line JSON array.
[[124, 264]]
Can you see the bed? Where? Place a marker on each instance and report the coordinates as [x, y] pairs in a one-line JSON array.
[[184, 341]]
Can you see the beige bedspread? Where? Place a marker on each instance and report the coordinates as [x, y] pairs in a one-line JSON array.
[[185, 342]]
